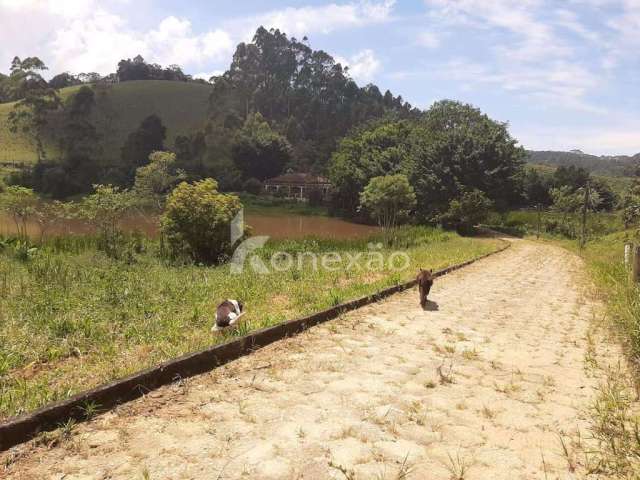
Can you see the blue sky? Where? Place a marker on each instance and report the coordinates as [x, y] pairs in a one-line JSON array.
[[564, 74]]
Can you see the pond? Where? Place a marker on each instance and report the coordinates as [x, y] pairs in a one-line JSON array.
[[279, 226]]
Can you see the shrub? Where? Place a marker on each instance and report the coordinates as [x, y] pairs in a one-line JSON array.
[[154, 180], [103, 209], [467, 211], [19, 203], [196, 221], [388, 199]]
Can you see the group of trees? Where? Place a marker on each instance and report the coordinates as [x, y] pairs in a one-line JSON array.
[[452, 150], [138, 69], [280, 105], [25, 74], [284, 105], [195, 216], [541, 188], [303, 94], [37, 99]]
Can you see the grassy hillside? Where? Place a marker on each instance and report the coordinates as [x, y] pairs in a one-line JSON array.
[[119, 109]]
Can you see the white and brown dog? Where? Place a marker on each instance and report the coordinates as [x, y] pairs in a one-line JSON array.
[[227, 315]]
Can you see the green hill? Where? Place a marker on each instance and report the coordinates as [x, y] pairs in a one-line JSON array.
[[119, 110], [611, 166], [619, 184]]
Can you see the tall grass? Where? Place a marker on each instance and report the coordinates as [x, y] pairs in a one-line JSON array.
[[72, 318], [615, 423]]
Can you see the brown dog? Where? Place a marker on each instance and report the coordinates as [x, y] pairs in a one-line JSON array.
[[425, 282]]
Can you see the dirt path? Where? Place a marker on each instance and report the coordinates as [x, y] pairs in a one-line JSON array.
[[484, 384]]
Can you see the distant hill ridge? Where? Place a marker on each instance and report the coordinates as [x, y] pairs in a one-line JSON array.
[[613, 165]]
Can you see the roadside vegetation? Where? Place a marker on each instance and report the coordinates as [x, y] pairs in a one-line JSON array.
[[614, 414], [74, 317]]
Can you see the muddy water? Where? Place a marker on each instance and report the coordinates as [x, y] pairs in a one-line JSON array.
[[276, 226]]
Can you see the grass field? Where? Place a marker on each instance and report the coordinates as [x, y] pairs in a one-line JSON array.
[[72, 318], [119, 110]]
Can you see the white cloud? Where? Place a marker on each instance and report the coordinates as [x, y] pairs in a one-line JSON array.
[[363, 66], [532, 58], [558, 83], [324, 19], [174, 42], [207, 75], [93, 44], [569, 20], [604, 140], [428, 39], [81, 36]]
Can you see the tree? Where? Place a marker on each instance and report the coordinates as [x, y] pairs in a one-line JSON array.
[[196, 221], [138, 69], [369, 152], [608, 198], [630, 203], [20, 204], [566, 201], [465, 212], [258, 151], [37, 100], [148, 137], [303, 93], [155, 180], [78, 144], [48, 214], [103, 209], [253, 186], [570, 176], [389, 200], [456, 149], [535, 188], [63, 80]]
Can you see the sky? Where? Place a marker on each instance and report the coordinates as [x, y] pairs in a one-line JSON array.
[[565, 74]]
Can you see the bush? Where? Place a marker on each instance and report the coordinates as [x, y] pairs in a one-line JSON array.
[[253, 186], [467, 211], [103, 209], [196, 221], [388, 199]]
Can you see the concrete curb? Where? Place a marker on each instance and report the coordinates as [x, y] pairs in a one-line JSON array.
[[23, 428]]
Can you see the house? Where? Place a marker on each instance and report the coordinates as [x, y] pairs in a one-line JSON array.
[[297, 185]]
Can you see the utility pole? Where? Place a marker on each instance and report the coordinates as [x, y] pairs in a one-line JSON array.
[[583, 239], [539, 209]]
